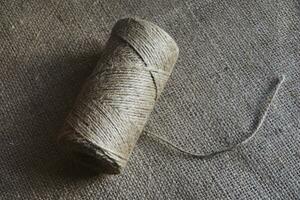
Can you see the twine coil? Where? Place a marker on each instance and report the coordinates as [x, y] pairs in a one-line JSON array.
[[118, 97]]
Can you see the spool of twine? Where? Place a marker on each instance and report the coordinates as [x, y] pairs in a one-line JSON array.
[[118, 97]]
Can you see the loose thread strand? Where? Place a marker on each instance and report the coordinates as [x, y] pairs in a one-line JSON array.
[[254, 133]]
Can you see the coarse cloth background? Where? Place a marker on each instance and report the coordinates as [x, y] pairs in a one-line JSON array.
[[232, 53]]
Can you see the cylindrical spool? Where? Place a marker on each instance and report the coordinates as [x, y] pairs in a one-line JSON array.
[[117, 99]]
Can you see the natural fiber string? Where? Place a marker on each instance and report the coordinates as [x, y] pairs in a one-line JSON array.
[[245, 141], [118, 97]]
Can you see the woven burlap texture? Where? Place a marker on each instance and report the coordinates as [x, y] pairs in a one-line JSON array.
[[232, 53]]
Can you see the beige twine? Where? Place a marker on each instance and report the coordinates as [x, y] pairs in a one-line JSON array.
[[234, 146], [117, 99]]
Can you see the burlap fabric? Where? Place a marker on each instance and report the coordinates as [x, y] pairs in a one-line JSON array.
[[231, 53]]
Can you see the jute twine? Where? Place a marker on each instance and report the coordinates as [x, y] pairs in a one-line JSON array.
[[117, 99]]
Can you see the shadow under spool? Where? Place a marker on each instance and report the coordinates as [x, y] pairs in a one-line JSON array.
[[118, 97]]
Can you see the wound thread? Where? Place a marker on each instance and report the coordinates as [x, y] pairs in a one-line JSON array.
[[118, 97]]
